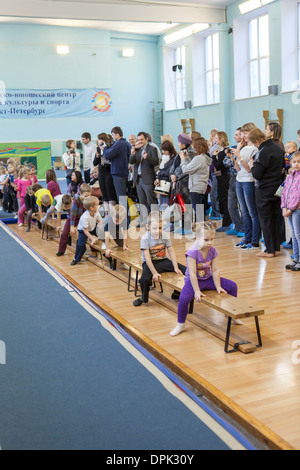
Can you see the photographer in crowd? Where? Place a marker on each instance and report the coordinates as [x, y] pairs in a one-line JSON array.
[[71, 159]]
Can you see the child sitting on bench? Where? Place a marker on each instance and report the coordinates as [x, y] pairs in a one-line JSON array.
[[87, 227], [202, 273], [154, 245]]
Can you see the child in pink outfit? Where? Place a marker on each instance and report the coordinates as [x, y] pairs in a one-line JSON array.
[[23, 182], [290, 204]]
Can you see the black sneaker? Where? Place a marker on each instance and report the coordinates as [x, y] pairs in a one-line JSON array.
[[137, 302], [59, 253], [73, 262], [292, 265], [296, 267]]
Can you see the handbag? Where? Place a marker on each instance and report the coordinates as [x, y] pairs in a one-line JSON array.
[[133, 212], [279, 191], [163, 188], [172, 213]]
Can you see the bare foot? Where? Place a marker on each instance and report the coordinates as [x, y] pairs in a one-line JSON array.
[[265, 254]]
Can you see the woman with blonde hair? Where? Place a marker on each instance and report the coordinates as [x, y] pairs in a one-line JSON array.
[[245, 190]]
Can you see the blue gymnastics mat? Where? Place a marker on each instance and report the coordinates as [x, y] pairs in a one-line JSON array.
[[67, 383]]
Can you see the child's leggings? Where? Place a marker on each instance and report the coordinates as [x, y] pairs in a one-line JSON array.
[[294, 223], [161, 266], [22, 210], [187, 294]]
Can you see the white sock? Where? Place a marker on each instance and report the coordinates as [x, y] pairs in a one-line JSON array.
[[179, 329]]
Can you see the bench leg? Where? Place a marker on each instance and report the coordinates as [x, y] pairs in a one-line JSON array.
[[129, 280], [227, 335], [259, 345], [136, 284], [113, 264], [191, 307]]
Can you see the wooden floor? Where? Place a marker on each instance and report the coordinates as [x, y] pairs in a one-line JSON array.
[[262, 388]]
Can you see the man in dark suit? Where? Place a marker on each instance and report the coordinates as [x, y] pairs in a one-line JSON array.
[[145, 158]]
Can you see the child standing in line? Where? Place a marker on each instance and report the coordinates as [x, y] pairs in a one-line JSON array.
[[52, 184], [32, 173], [202, 273], [76, 211], [3, 176], [87, 227], [43, 201], [23, 182], [60, 203], [290, 204], [29, 205], [154, 245], [10, 202]]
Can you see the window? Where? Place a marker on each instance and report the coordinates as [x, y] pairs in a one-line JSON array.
[[259, 55], [212, 69], [174, 77], [180, 82]]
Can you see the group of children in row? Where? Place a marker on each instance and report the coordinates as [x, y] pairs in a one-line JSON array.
[[14, 180], [158, 255]]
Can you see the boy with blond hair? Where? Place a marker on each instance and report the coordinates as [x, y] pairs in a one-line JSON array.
[[87, 227], [155, 245]]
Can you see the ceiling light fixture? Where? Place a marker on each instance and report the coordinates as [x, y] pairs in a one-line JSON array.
[[185, 32], [128, 52], [62, 49]]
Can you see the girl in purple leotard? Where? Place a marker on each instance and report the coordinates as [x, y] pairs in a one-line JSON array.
[[202, 273]]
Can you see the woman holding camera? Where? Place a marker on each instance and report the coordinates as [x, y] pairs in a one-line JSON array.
[[71, 160], [223, 180], [106, 183]]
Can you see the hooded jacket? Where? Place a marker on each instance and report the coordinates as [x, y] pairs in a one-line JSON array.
[[198, 171]]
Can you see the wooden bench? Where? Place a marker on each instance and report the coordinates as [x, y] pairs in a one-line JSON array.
[[233, 308]]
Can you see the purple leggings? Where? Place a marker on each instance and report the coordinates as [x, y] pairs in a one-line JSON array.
[[187, 294]]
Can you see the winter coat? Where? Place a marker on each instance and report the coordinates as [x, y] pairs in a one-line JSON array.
[[290, 198]]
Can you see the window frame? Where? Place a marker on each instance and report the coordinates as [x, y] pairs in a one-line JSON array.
[[259, 58], [213, 70]]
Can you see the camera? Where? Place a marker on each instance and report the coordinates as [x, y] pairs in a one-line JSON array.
[[72, 151]]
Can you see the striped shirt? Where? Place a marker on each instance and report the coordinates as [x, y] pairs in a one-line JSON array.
[[76, 210]]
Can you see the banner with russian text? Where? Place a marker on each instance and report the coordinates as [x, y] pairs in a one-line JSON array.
[[25, 104]]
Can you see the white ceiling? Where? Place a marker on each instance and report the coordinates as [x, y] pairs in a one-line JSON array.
[[132, 16]]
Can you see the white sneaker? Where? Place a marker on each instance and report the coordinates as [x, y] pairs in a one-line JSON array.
[[237, 322], [103, 246], [20, 225], [124, 266]]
